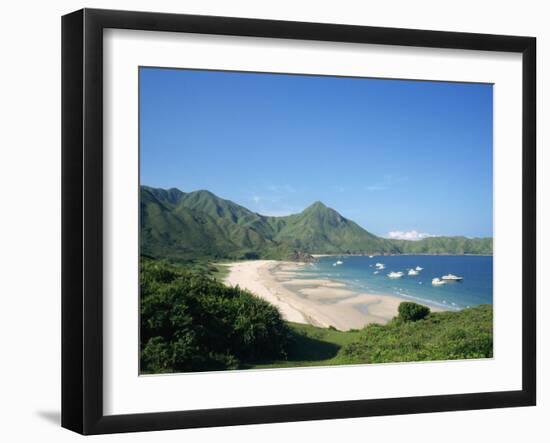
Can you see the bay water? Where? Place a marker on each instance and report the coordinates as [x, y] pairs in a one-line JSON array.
[[359, 273]]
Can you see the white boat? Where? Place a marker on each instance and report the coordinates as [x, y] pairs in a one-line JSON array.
[[437, 281], [380, 266], [451, 277], [418, 268], [339, 262], [395, 274], [371, 256], [413, 272]]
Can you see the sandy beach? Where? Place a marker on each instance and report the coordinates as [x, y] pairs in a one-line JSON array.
[[320, 302]]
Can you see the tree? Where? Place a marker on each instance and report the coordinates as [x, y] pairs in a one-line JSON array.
[[409, 311]]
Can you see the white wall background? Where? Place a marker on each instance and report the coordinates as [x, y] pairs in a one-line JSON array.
[[30, 218]]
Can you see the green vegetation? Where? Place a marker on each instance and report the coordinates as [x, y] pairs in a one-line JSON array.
[[191, 322], [446, 245], [321, 230], [439, 336], [311, 346], [203, 267], [199, 225], [412, 311], [220, 271]]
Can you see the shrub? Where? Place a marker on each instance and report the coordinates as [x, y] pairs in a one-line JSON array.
[[190, 322], [439, 336], [409, 311]]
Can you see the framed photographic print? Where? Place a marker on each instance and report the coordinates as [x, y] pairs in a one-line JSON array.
[[269, 221]]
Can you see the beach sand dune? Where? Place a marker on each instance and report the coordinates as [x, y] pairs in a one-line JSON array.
[[312, 301]]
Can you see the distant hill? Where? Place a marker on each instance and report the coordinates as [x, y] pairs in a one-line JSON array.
[[446, 245], [199, 224], [177, 225], [321, 230]]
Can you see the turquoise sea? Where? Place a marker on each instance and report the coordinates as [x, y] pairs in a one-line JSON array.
[[358, 273]]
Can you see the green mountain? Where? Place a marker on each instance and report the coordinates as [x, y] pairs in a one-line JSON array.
[[321, 230], [446, 245], [199, 224], [177, 225]]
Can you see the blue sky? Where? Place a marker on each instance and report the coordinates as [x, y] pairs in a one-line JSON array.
[[395, 156]]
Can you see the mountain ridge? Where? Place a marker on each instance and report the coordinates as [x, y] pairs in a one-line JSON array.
[[182, 226]]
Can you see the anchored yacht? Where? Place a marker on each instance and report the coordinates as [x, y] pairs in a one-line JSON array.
[[451, 277], [395, 274]]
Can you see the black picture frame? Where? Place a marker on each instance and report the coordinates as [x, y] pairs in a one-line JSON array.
[[82, 218]]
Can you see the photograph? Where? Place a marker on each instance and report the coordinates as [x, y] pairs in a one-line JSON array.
[[300, 220], [270, 222]]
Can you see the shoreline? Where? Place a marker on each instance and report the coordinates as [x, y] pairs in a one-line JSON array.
[[316, 301]]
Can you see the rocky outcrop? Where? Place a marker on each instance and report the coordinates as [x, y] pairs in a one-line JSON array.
[[302, 257]]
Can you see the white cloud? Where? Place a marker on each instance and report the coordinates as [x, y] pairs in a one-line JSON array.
[[408, 235], [256, 198]]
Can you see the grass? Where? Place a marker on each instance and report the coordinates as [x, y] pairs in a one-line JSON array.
[[311, 346], [220, 271], [447, 335], [459, 335], [203, 267]]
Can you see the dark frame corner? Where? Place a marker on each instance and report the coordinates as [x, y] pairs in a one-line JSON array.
[[82, 152]]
